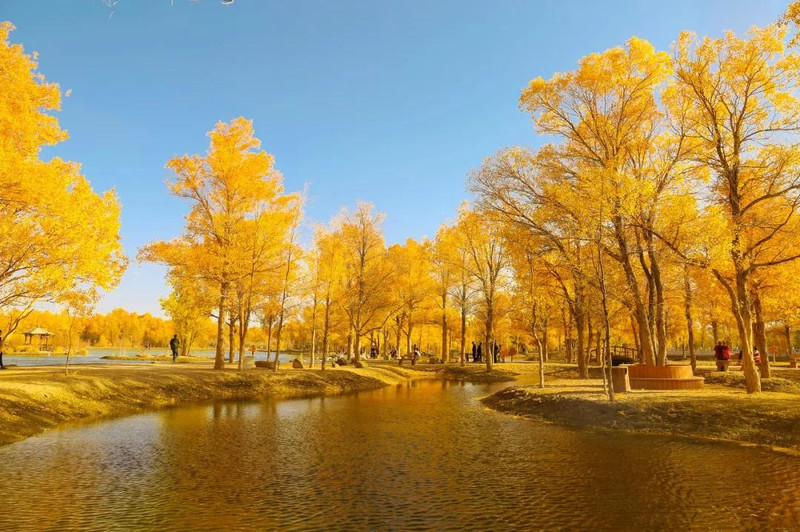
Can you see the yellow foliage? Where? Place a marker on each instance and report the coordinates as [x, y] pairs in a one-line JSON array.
[[59, 239]]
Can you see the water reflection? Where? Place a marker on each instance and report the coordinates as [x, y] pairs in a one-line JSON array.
[[424, 456]]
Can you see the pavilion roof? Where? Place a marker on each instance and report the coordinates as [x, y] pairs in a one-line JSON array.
[[38, 331]]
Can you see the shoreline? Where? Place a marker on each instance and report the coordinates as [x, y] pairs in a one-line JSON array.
[[715, 413], [35, 399]]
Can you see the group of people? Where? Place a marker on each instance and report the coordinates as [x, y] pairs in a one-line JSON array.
[[477, 352], [722, 355], [415, 353]]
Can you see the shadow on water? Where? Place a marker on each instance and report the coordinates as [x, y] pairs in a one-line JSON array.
[[423, 456]]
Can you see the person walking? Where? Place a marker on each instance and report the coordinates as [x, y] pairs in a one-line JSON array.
[[474, 351], [480, 351], [174, 345]]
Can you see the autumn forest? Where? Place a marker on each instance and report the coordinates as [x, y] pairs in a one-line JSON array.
[[630, 267], [662, 216]]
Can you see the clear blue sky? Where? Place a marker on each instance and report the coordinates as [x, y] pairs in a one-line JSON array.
[[385, 101]]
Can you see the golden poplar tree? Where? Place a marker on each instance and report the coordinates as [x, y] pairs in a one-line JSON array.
[[59, 240], [235, 193], [740, 97]]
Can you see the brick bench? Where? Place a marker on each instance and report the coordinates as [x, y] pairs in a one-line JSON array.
[[676, 377], [694, 383]]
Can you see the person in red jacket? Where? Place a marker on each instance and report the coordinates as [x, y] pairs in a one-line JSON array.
[[719, 353]]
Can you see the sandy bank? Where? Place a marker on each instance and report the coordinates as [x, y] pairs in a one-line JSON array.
[[33, 399]]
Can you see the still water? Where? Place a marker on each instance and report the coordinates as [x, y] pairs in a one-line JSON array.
[[95, 356], [423, 457]]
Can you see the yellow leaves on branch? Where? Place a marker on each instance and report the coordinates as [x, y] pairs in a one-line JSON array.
[[59, 240], [607, 89], [240, 229]]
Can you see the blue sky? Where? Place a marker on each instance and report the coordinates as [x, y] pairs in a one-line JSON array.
[[388, 102]]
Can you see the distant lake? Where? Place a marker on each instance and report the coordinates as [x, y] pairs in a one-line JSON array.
[[95, 356]]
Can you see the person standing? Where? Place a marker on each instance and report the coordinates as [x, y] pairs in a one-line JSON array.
[[474, 351], [719, 351], [480, 351], [416, 354], [174, 345]]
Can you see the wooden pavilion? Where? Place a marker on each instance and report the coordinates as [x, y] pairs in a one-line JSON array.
[[42, 335]]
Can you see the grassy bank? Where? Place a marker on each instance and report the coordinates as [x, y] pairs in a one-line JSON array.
[[142, 357], [722, 410], [477, 373], [33, 399]]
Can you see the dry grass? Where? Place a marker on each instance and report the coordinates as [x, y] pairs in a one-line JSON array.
[[722, 410], [34, 399]]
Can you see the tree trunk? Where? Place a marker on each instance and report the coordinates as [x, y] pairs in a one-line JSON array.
[[788, 332], [760, 334], [398, 332], [184, 344], [598, 340], [445, 352], [590, 335], [744, 322], [325, 329], [541, 364], [219, 358], [463, 335], [489, 352], [642, 318], [740, 307], [661, 321], [244, 318], [231, 331], [635, 331], [357, 345], [278, 341], [687, 285], [409, 327], [350, 353], [313, 332], [269, 339], [580, 327], [567, 323], [606, 325]]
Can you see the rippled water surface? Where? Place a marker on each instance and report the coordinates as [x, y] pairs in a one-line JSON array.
[[425, 457]]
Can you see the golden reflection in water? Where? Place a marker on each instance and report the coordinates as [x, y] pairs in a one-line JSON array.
[[422, 456]]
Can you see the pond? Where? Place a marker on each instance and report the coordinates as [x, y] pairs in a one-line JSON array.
[[418, 457]]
